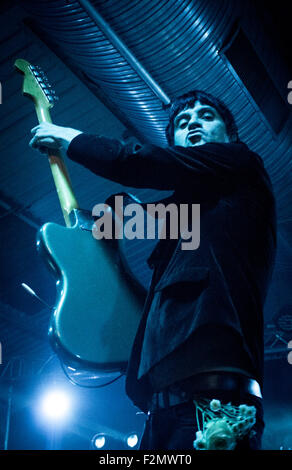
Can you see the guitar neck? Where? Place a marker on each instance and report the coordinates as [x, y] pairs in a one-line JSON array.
[[60, 174]]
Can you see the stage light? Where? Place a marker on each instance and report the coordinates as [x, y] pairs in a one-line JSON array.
[[98, 441], [55, 405], [132, 440]]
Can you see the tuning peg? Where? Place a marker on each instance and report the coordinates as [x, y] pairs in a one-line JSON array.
[[50, 98], [51, 95], [44, 83]]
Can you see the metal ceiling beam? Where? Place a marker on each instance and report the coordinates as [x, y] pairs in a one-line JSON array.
[[124, 51], [15, 211]]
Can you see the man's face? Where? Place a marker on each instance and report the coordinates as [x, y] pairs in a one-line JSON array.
[[199, 125]]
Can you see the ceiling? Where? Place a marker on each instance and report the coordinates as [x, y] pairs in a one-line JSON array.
[[114, 65]]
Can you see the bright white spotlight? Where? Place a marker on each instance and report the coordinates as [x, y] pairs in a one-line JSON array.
[[55, 405], [132, 440], [98, 441]]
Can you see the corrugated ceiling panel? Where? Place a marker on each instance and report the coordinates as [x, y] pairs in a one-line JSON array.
[[176, 42]]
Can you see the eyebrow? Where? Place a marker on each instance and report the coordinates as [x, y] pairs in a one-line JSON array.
[[185, 114]]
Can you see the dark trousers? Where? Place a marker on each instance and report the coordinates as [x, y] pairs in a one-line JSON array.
[[175, 428]]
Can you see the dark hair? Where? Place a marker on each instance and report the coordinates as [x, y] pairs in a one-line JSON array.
[[188, 100]]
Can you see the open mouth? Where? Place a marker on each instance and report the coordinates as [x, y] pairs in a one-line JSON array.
[[195, 138]]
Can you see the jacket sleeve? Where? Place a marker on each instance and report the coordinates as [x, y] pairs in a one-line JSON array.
[[150, 166]]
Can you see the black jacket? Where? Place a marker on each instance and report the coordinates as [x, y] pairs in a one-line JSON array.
[[204, 309]]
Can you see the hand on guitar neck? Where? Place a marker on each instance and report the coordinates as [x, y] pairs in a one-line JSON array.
[[47, 135]]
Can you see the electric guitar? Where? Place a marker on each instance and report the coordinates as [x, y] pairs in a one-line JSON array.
[[98, 308]]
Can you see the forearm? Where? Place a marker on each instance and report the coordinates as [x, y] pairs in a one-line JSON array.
[[122, 163], [98, 154]]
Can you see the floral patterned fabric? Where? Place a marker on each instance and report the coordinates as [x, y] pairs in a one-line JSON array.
[[222, 425], [178, 427]]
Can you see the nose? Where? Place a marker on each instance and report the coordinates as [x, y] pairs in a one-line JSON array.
[[194, 123]]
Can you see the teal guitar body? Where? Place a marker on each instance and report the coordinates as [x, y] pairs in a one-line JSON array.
[[98, 305]]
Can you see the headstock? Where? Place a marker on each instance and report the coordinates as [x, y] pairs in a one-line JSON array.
[[36, 86]]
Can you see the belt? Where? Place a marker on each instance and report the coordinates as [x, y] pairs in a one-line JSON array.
[[207, 382]]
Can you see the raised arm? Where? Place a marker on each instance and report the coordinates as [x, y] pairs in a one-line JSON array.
[[208, 168], [151, 166]]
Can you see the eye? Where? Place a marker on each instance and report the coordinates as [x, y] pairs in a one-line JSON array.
[[208, 115], [182, 123]]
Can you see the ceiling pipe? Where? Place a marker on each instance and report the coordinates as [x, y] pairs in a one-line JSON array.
[[124, 51]]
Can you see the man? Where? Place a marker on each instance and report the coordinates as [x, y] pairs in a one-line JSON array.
[[201, 333]]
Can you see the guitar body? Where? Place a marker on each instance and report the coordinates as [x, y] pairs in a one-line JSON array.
[[97, 310]]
